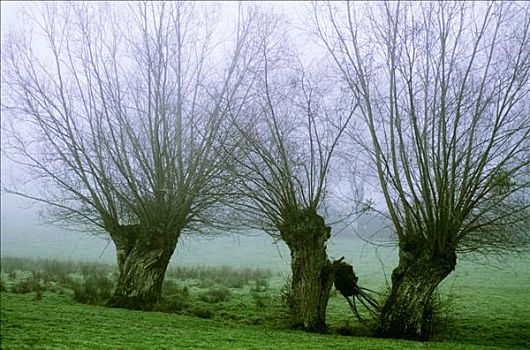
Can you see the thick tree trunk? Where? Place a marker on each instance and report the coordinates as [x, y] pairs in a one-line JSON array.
[[407, 313], [143, 258], [312, 273]]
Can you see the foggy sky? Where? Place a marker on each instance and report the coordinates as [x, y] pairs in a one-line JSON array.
[[23, 232]]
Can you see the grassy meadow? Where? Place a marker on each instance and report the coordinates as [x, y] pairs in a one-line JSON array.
[[54, 304]]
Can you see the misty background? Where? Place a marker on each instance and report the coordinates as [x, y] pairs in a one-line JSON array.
[[24, 233]]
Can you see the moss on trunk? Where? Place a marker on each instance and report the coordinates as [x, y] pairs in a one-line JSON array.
[[143, 257], [408, 312], [306, 234]]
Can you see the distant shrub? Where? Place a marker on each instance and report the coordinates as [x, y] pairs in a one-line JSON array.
[[260, 301], [24, 286], [206, 283], [94, 269], [94, 289], [203, 312], [89, 281], [345, 328], [49, 266], [54, 270], [260, 285], [174, 299], [23, 282], [171, 305], [255, 321], [224, 275], [215, 295], [172, 289], [286, 295], [12, 264]]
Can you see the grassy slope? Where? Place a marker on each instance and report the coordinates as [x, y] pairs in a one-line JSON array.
[[55, 322], [488, 306]]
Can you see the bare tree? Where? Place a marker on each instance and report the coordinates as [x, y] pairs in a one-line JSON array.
[[287, 139], [443, 88], [118, 113]]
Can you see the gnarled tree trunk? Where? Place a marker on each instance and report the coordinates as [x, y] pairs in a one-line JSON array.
[[407, 313], [143, 258], [312, 273]]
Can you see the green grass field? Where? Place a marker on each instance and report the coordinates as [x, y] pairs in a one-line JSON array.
[[484, 306], [55, 322]]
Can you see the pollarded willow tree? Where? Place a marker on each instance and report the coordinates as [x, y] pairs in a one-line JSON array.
[[443, 88], [117, 112], [287, 139]]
